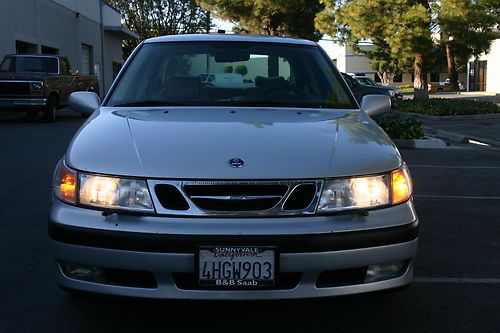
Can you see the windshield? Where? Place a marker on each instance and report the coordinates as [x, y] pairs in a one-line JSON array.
[[20, 64], [231, 74]]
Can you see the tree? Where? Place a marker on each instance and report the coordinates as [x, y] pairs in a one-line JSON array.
[[151, 18], [294, 18], [404, 25], [466, 29], [241, 69]]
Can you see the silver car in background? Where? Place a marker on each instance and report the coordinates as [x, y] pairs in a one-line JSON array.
[[272, 184]]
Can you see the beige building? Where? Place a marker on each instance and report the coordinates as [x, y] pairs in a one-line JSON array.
[[484, 72]]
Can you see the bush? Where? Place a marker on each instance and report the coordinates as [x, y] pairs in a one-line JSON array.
[[399, 127], [449, 107], [241, 69]]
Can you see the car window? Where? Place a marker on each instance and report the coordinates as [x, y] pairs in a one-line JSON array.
[[231, 73], [31, 64]]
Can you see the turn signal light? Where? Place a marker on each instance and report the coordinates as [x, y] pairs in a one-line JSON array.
[[401, 186], [65, 184]]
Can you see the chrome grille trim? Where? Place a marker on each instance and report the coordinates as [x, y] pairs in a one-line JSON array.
[[277, 210]]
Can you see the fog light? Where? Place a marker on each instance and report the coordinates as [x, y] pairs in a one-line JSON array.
[[385, 271], [83, 272]]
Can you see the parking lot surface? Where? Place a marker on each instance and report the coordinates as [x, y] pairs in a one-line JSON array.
[[456, 289]]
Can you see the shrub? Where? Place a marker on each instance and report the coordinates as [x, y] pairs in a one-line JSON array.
[[399, 127], [241, 69], [449, 107]]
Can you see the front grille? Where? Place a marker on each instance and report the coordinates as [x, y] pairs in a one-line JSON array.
[[189, 281], [236, 198], [13, 88]]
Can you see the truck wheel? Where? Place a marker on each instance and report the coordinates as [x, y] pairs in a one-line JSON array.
[[49, 114], [32, 114]]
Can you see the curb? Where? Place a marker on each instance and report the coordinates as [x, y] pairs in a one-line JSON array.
[[458, 117], [428, 143], [459, 137]]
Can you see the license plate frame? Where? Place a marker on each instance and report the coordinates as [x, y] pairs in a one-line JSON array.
[[238, 284]]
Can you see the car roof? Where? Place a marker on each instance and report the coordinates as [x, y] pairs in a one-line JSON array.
[[229, 38]]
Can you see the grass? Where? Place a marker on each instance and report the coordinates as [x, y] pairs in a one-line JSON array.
[[408, 90], [449, 107]]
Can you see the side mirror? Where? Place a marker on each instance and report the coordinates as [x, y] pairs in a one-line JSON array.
[[375, 104], [84, 102]]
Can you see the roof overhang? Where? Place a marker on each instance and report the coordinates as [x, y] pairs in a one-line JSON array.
[[121, 32]]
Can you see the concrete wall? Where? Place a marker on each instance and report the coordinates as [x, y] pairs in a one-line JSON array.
[[493, 67], [55, 23]]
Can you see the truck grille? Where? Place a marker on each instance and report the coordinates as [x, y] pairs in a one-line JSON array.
[[237, 198], [12, 88]]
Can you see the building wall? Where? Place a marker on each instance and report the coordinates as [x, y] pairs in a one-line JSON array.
[[63, 25], [493, 67]]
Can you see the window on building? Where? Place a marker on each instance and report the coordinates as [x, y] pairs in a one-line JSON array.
[[49, 50], [25, 48], [87, 61], [434, 77], [398, 78]]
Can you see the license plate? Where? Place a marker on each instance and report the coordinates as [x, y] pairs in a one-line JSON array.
[[236, 266]]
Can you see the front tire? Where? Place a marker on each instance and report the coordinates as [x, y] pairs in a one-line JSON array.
[[49, 114]]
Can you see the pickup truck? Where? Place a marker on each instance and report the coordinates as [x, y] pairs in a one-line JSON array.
[[34, 83], [442, 86]]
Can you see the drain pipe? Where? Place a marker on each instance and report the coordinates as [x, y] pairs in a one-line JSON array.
[[101, 3]]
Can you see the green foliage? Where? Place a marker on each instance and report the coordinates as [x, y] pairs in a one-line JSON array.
[[228, 69], [151, 18], [398, 127], [241, 69], [468, 26], [449, 107], [293, 18], [401, 29]]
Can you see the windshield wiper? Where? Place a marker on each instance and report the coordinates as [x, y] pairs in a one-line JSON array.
[[151, 103]]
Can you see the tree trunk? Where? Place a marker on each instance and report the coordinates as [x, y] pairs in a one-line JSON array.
[[452, 70], [385, 79], [420, 82]]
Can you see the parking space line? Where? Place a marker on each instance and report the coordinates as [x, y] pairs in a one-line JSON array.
[[452, 166], [454, 197], [456, 280]]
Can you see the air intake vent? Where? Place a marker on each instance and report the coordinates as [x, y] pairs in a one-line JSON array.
[[170, 197], [301, 197]]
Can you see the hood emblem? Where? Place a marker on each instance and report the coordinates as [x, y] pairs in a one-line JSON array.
[[236, 162]]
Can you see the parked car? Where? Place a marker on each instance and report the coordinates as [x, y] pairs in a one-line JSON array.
[[177, 189], [34, 83], [442, 86], [366, 81], [360, 90]]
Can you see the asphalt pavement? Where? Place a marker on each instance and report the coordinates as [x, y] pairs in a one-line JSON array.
[[456, 288]]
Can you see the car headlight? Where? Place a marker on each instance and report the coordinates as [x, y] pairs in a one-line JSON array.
[[106, 192], [392, 93], [366, 192], [36, 88]]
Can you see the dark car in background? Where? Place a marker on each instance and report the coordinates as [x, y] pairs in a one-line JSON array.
[[360, 90], [34, 83]]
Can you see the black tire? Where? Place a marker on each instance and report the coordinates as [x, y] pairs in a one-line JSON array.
[[439, 90], [49, 114], [32, 114]]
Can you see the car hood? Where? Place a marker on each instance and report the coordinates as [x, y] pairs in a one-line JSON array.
[[197, 143]]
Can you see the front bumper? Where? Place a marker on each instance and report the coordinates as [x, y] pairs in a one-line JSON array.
[[22, 103], [306, 250]]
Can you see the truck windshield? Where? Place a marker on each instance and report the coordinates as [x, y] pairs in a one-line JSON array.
[[31, 64], [231, 74]]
